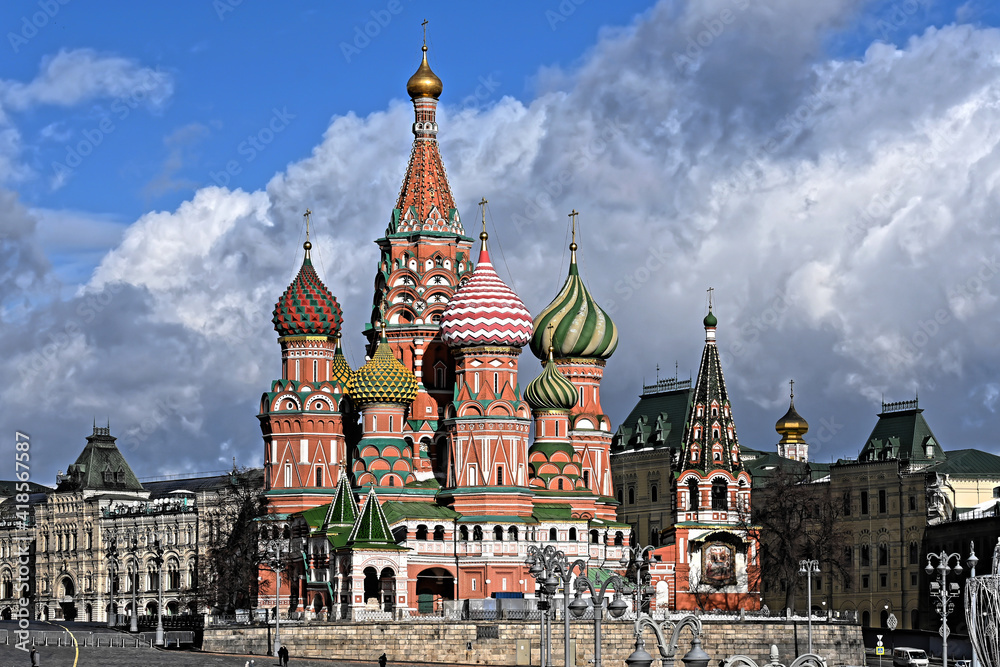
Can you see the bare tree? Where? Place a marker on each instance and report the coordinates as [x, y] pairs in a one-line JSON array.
[[795, 519]]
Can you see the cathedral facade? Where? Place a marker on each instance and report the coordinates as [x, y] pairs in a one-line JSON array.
[[414, 479]]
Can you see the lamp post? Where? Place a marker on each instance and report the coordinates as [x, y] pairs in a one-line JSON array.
[[114, 565], [547, 565], [157, 551], [809, 568], [944, 592], [134, 552], [640, 657], [616, 608], [277, 563], [638, 558]]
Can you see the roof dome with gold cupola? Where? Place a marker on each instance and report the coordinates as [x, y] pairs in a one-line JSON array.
[[307, 307], [383, 379], [792, 426], [340, 370], [573, 324], [424, 82]]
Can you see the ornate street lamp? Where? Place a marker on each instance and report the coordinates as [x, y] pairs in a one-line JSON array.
[[945, 592], [157, 550], [133, 538], [114, 565], [696, 657], [548, 565], [617, 607], [638, 557], [982, 611], [809, 568], [277, 563]]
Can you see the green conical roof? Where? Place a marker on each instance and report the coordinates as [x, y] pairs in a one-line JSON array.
[[579, 327], [550, 390], [344, 509], [383, 379], [371, 530]]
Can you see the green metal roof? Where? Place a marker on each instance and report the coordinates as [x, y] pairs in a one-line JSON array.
[[657, 420], [400, 510], [901, 433], [969, 462], [553, 512], [100, 467]]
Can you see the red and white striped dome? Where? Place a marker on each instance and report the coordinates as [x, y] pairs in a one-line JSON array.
[[485, 311]]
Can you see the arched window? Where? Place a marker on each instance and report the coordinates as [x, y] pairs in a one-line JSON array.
[[512, 534], [595, 537], [498, 533], [653, 495], [619, 538], [477, 534], [553, 535], [421, 532], [620, 496], [692, 494], [631, 496], [572, 534], [559, 483], [463, 534], [720, 495], [883, 554], [439, 533]]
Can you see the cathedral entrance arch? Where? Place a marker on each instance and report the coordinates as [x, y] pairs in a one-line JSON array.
[[434, 585]]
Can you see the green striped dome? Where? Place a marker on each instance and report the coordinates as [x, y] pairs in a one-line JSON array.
[[580, 328], [550, 390], [383, 379], [340, 371]]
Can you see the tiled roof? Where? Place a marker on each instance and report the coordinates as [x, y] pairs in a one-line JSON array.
[[307, 307], [902, 434], [371, 530], [400, 510], [383, 379], [969, 462], [100, 467], [657, 420]]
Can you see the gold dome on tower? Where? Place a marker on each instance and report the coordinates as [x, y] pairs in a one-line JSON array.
[[424, 82], [792, 426]]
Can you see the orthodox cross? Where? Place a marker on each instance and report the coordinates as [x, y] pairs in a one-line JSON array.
[[482, 207], [791, 389], [424, 24], [710, 290], [572, 216], [306, 216]]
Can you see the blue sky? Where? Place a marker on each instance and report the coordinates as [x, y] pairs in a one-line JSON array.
[[817, 163]]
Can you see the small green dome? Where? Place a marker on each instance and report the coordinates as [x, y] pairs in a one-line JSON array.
[[710, 320], [383, 379], [550, 390]]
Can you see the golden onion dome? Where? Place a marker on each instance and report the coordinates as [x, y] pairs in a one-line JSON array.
[[424, 82], [340, 369], [383, 379], [792, 426]]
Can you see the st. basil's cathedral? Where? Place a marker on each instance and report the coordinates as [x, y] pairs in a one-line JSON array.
[[415, 478]]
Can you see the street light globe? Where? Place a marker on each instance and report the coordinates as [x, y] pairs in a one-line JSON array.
[[578, 606], [696, 657], [929, 569], [640, 657], [617, 607]]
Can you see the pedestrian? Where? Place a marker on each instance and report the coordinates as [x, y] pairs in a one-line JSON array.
[[382, 660], [283, 656], [34, 657]]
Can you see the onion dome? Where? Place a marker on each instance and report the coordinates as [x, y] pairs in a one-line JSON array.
[[340, 369], [484, 311], [710, 320], [550, 390], [383, 379], [307, 307], [792, 426], [424, 82], [573, 324]]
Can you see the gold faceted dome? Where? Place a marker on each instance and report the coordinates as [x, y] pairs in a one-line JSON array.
[[424, 82], [792, 425]]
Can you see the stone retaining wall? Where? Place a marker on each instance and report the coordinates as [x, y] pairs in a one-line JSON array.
[[839, 643]]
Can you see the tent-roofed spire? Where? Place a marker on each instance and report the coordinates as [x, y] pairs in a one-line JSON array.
[[710, 436], [371, 530], [344, 509]]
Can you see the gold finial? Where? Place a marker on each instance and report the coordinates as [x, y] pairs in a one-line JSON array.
[[424, 82], [482, 207], [307, 245], [551, 329]]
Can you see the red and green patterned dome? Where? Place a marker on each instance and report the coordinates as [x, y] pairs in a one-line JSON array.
[[383, 379], [551, 390], [340, 370], [307, 308]]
